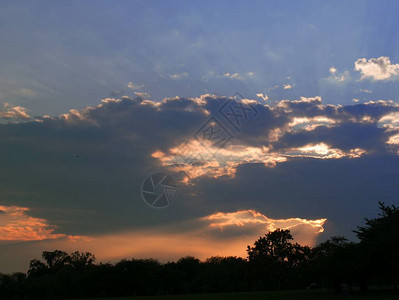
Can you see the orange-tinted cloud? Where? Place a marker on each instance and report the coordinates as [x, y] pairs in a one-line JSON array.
[[304, 231], [9, 112], [195, 159], [324, 151], [16, 225], [220, 233]]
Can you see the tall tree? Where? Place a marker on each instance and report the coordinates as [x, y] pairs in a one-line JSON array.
[[379, 244], [55, 259], [273, 259]]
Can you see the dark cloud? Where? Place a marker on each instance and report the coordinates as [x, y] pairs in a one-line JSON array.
[[343, 191], [83, 171], [345, 136]]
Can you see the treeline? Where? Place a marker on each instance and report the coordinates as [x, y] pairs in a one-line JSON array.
[[273, 262]]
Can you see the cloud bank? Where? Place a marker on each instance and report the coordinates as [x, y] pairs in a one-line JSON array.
[[242, 168]]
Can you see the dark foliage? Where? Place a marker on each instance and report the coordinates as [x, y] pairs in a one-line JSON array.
[[378, 247]]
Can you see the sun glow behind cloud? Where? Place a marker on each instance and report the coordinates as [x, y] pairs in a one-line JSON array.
[[309, 124], [220, 233], [244, 217], [195, 160], [323, 151]]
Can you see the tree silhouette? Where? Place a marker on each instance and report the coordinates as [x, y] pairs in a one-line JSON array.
[[274, 257], [333, 263], [79, 260], [55, 259], [379, 244]]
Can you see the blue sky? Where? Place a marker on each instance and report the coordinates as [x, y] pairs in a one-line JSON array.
[[69, 54], [95, 96]]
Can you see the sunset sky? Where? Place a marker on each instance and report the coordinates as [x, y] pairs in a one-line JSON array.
[[96, 96]]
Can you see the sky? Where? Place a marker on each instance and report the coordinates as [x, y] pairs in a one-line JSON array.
[[264, 114]]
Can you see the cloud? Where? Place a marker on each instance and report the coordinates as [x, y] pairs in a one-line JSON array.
[[264, 97], [306, 121], [338, 77], [178, 76], [239, 76], [116, 93], [16, 225], [142, 95], [324, 151], [308, 130], [391, 123], [366, 91], [220, 233], [287, 86], [298, 128], [16, 113], [196, 160], [311, 123], [82, 171], [134, 86], [228, 75], [377, 68], [260, 224], [272, 88]]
